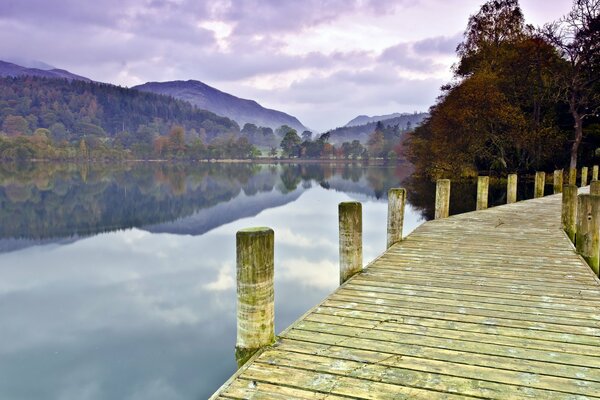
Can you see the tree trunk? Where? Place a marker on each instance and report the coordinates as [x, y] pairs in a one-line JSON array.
[[578, 137]]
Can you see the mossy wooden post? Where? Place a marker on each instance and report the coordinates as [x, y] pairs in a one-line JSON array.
[[483, 183], [511, 189], [442, 199], [395, 222], [540, 182], [350, 221], [584, 176], [587, 237], [595, 173], [595, 187], [558, 181], [255, 294], [569, 211], [572, 176]]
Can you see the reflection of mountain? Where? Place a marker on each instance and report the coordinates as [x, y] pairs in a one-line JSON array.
[[49, 203], [242, 206]]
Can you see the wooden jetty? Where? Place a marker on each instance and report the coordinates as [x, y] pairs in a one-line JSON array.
[[493, 304]]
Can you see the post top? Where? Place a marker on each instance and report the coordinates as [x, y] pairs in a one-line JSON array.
[[256, 231], [344, 205]]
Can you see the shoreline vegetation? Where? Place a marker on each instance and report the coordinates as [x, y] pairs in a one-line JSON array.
[[522, 98]]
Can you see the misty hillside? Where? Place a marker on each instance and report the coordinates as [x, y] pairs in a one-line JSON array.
[[405, 122], [72, 109], [206, 97], [8, 69]]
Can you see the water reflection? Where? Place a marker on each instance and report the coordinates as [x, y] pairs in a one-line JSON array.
[[118, 282]]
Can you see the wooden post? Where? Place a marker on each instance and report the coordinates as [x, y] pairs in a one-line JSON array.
[[558, 181], [511, 189], [395, 222], [483, 183], [442, 199], [572, 176], [255, 294], [595, 187], [587, 237], [569, 211], [540, 182], [350, 224], [595, 173], [584, 176]]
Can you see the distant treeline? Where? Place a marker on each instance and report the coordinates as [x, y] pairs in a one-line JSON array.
[[57, 119], [522, 99]]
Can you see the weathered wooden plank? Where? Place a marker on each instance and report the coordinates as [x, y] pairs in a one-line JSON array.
[[394, 371], [340, 385], [251, 389], [399, 325], [462, 324], [447, 355], [468, 302], [442, 313]]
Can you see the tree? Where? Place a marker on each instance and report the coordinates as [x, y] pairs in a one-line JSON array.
[[306, 136], [291, 143], [83, 151], [15, 125], [283, 130], [490, 33], [577, 39]]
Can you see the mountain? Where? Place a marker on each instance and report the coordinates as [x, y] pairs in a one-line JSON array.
[[365, 119], [8, 69], [405, 122], [73, 109], [206, 97]]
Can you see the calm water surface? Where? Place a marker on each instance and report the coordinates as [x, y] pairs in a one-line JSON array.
[[119, 282]]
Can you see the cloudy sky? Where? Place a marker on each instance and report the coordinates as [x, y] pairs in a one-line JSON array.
[[324, 61]]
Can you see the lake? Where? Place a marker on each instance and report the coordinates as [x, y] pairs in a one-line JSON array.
[[118, 282]]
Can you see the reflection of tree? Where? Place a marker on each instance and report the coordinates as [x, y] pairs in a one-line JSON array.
[[39, 201], [420, 194], [290, 177], [57, 200]]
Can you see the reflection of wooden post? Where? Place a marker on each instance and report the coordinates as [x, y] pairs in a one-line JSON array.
[[572, 176], [587, 237], [558, 180], [595, 173], [255, 294], [511, 189], [595, 187], [540, 181], [584, 176], [350, 224], [395, 222], [483, 183], [569, 211], [442, 199]]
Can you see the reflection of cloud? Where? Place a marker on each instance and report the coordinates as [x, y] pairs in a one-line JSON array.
[[225, 280], [321, 275], [286, 237], [161, 308], [156, 390]]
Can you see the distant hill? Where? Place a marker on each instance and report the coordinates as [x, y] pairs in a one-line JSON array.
[[365, 119], [8, 69], [347, 133], [206, 97], [72, 109]]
